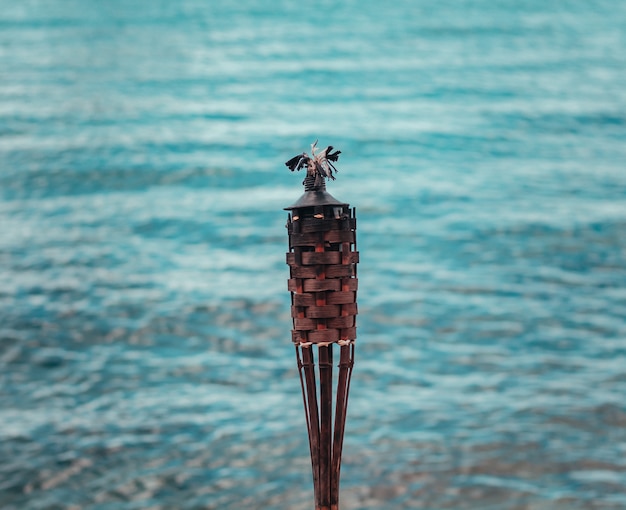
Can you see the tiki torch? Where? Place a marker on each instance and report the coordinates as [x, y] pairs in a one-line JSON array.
[[322, 262]]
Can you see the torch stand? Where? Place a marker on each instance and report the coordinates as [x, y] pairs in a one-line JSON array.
[[322, 259]]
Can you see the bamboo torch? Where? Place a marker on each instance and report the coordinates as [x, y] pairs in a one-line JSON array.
[[322, 262]]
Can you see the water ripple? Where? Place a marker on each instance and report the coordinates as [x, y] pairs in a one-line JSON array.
[[145, 359]]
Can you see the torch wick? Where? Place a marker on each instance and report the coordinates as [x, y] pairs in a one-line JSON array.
[[313, 183]]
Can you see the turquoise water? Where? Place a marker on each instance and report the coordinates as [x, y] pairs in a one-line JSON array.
[[145, 356]]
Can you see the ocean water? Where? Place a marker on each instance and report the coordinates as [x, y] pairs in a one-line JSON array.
[[145, 355]]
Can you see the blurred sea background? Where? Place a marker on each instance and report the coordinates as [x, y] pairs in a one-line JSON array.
[[145, 354]]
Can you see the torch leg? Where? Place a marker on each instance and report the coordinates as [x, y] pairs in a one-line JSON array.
[[307, 414], [326, 424], [312, 414], [346, 363]]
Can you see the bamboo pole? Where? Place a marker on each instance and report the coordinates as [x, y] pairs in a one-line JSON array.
[[323, 289]]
